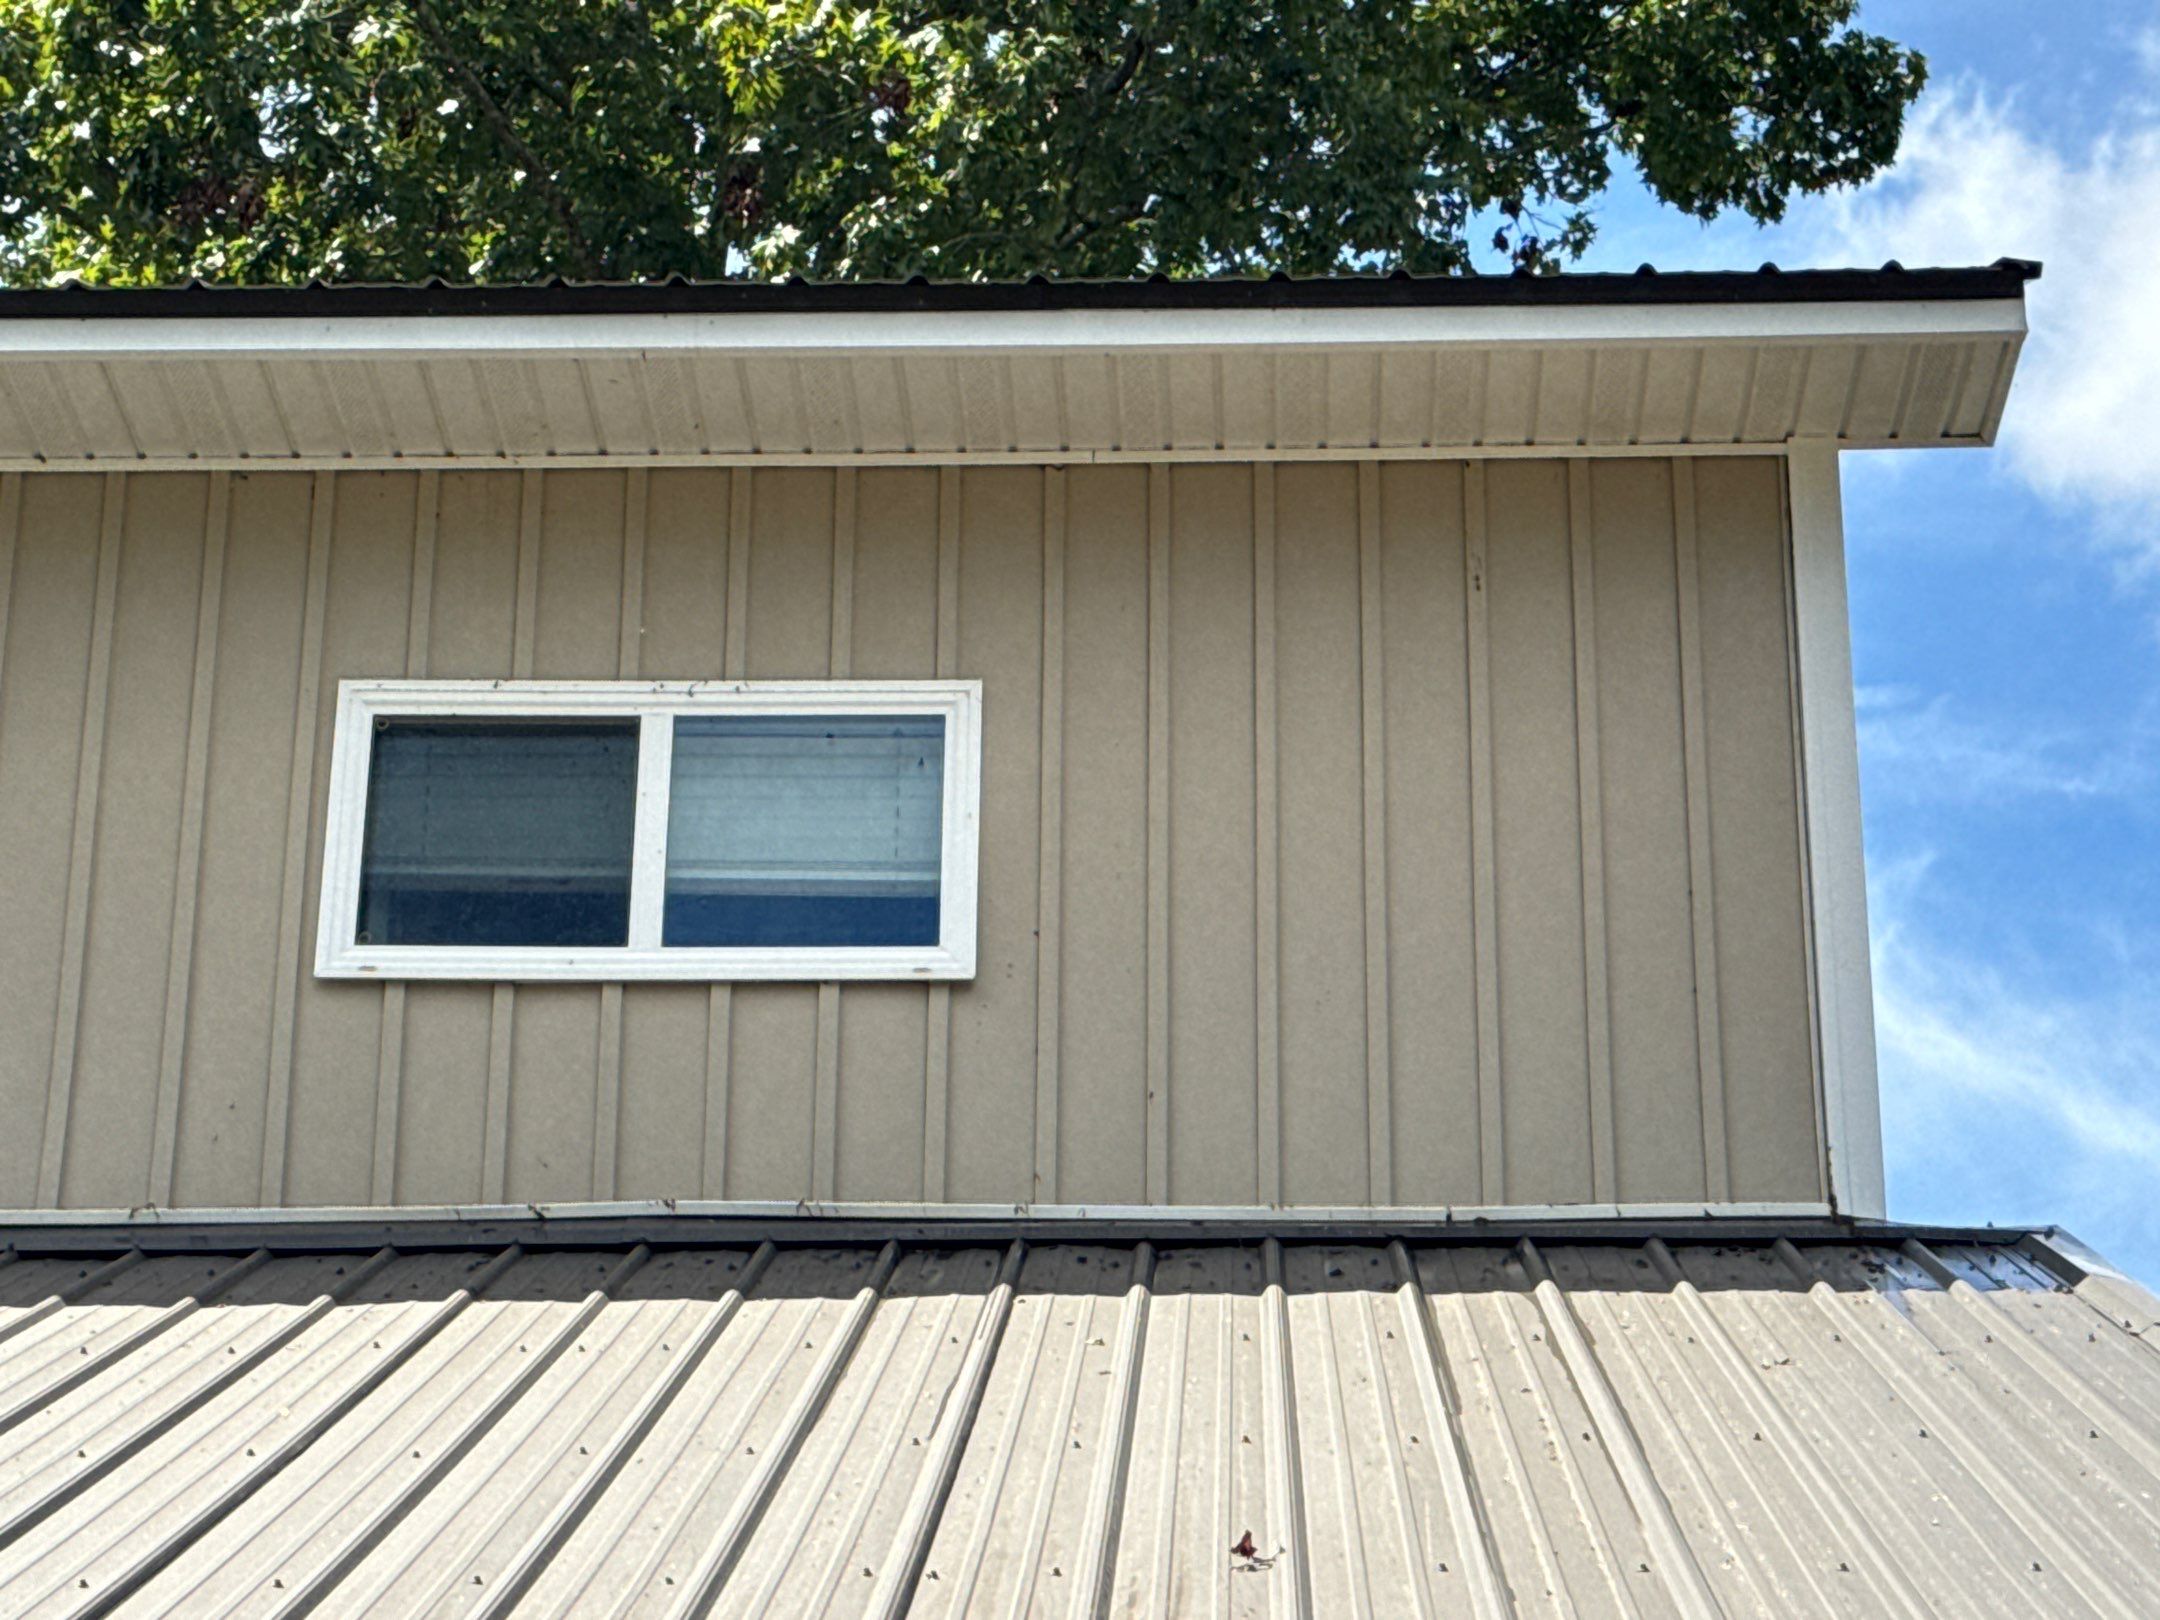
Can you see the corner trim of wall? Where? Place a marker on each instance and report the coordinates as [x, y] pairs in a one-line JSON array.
[[82, 843], [1830, 807]]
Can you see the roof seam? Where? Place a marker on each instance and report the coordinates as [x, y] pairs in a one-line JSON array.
[[1683, 1576], [198, 1524]]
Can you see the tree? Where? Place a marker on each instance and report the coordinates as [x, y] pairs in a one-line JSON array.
[[278, 140]]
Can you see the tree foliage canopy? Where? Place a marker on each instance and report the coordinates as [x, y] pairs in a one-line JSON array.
[[278, 140]]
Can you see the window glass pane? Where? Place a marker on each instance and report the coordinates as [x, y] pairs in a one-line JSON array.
[[805, 830], [499, 833]]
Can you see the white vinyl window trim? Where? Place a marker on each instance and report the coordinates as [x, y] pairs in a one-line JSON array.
[[655, 706]]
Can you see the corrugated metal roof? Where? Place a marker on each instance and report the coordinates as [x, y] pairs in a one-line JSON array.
[[1698, 1428]]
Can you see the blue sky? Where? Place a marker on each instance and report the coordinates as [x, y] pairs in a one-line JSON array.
[[2006, 627]]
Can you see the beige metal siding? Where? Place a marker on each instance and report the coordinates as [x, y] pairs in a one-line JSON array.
[[1413, 833]]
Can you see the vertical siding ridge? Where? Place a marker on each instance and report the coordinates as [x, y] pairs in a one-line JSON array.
[[1267, 852], [840, 647], [1050, 804], [1702, 890], [1590, 788], [1159, 766], [532, 509], [630, 623], [1484, 887], [502, 1012], [839, 664], [728, 1541], [825, 1094], [187, 862], [719, 1076], [1105, 1514], [299, 809], [1372, 653], [82, 843], [629, 661], [909, 1550], [11, 499], [390, 1040], [495, 1115], [720, 998], [1684, 1580], [948, 570], [1474, 1543], [735, 633], [607, 1091], [937, 1019]]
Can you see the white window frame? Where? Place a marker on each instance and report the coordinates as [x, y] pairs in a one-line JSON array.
[[655, 705]]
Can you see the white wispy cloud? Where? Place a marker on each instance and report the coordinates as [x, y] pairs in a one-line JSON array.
[[1918, 747], [1977, 178], [2006, 1100]]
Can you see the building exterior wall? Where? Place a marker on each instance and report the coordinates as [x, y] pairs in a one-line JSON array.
[[1413, 833]]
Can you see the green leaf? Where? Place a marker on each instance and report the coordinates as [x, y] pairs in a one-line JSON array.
[[261, 141]]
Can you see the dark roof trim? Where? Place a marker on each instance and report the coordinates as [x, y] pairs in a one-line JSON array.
[[2005, 278], [175, 1233]]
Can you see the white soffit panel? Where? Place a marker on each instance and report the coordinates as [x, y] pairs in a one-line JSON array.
[[840, 386]]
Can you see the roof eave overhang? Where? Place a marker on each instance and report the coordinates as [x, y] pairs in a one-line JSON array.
[[1062, 384]]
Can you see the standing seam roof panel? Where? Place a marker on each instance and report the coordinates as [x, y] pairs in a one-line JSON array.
[[1590, 1428]]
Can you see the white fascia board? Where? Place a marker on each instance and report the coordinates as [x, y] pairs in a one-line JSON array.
[[1836, 863], [412, 337]]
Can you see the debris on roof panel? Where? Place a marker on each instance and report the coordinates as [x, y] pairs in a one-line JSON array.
[[1692, 1427]]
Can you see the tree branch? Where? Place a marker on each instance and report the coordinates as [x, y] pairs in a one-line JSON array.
[[1095, 98], [499, 121], [1120, 76]]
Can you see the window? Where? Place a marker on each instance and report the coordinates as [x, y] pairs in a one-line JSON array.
[[641, 830]]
